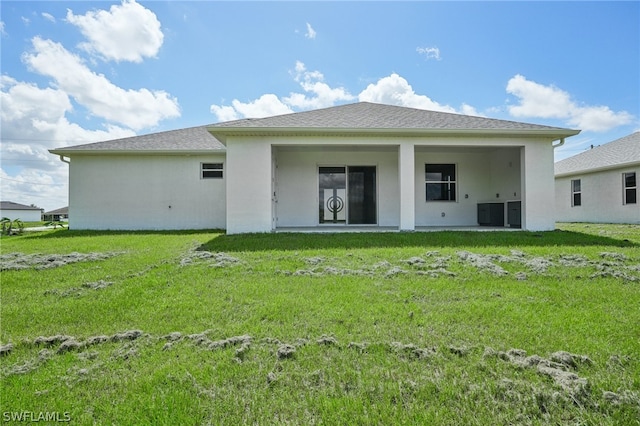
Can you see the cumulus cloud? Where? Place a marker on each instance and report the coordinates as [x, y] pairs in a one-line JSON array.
[[311, 33], [126, 32], [395, 90], [265, 106], [2, 30], [136, 109], [429, 52], [538, 100], [317, 94]]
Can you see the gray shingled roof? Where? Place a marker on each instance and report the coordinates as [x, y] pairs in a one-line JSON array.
[[182, 140], [61, 210], [366, 115], [10, 205], [362, 116], [619, 153]]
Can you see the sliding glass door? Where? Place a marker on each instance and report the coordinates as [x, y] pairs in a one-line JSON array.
[[347, 195]]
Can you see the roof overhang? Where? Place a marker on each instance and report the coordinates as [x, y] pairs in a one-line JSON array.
[[67, 152], [599, 169], [222, 133]]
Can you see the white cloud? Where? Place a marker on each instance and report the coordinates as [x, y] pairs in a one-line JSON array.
[[136, 109], [311, 33], [321, 94], [127, 32], [317, 94], [48, 17], [2, 30], [429, 52], [538, 100], [265, 106], [395, 90]]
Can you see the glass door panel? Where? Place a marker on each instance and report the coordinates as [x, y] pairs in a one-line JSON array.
[[362, 195], [332, 195]]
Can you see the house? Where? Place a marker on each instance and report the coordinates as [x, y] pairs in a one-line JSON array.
[[14, 211], [58, 215], [601, 184], [349, 167]]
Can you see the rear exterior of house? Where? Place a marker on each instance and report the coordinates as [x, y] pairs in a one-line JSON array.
[[351, 167], [601, 184]]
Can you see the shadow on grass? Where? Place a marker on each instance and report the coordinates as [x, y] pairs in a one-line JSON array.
[[69, 233], [300, 241]]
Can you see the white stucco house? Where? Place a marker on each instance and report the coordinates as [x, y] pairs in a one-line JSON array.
[[25, 213], [350, 167], [600, 185]]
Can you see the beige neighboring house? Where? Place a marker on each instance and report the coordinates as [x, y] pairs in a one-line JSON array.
[[600, 185], [350, 167], [14, 211]]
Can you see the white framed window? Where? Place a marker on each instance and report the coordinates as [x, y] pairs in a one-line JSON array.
[[576, 193], [440, 182], [630, 188], [211, 170]]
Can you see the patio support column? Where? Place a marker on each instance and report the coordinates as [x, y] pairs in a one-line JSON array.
[[537, 180], [407, 181]]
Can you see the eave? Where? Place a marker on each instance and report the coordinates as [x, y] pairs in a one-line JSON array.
[[222, 133]]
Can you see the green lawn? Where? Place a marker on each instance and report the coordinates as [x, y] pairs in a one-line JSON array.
[[389, 328]]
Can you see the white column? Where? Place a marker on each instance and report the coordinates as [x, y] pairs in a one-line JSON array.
[[249, 198], [407, 178], [538, 186]]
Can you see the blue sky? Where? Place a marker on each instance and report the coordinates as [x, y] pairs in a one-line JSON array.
[[78, 72]]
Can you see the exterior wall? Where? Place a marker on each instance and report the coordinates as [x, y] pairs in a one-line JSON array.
[[297, 181], [150, 192], [249, 185], [23, 215], [483, 175], [602, 200], [489, 169], [538, 197]]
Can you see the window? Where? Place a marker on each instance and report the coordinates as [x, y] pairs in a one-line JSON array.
[[440, 182], [576, 193], [211, 171], [630, 186]]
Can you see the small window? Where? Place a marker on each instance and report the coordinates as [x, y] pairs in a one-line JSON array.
[[576, 193], [440, 180], [211, 170], [630, 186]]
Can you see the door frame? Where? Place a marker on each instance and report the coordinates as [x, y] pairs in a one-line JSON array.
[[346, 168]]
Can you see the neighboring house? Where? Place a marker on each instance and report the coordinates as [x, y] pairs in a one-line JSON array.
[[58, 215], [342, 167], [601, 184], [15, 211]]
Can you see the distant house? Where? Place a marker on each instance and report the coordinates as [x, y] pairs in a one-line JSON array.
[[349, 167], [14, 211], [601, 184], [58, 215]]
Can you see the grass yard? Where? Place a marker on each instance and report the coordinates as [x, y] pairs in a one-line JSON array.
[[390, 328]]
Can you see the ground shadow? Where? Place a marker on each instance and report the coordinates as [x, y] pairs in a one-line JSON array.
[[305, 241], [70, 233]]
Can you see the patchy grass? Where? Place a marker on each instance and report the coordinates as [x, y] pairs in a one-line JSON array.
[[414, 328]]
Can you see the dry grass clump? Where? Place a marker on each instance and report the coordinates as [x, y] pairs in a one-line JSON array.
[[17, 261], [557, 368], [215, 260]]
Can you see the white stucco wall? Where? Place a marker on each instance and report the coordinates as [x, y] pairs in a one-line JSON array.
[[602, 198], [297, 180], [151, 192], [23, 215], [249, 185], [489, 169], [538, 196]]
